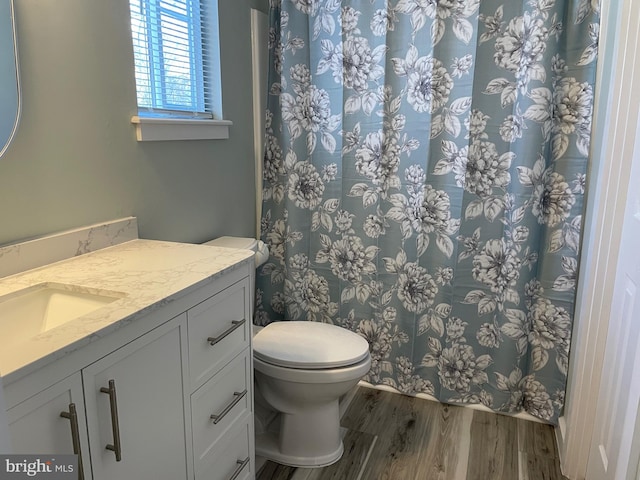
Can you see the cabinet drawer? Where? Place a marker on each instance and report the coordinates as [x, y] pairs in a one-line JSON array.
[[218, 328], [234, 456], [227, 397]]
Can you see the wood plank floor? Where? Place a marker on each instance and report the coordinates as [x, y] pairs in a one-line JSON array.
[[396, 437]]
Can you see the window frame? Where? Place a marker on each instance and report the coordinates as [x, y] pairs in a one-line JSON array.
[[206, 120]]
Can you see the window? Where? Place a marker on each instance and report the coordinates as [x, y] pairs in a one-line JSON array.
[[177, 66]]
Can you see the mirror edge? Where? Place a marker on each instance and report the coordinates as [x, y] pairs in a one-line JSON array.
[[17, 70]]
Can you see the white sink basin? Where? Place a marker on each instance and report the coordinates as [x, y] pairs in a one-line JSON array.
[[37, 309]]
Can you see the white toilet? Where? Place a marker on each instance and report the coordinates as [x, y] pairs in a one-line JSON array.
[[301, 371]]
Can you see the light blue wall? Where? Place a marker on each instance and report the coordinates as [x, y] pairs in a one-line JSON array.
[[75, 160]]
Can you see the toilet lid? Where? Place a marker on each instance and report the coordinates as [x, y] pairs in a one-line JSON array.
[[311, 345]]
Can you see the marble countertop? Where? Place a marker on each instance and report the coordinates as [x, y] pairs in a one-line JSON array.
[[146, 274]]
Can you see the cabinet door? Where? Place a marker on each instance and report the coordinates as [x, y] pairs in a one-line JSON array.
[[146, 403], [36, 425]]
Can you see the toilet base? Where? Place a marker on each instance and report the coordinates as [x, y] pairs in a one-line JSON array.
[[307, 435], [267, 445], [268, 424]]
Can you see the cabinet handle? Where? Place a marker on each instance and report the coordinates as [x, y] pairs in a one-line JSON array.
[[115, 427], [72, 416], [227, 409], [241, 465], [234, 324]]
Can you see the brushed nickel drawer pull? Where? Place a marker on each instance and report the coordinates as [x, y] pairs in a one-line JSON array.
[[115, 426], [227, 409], [241, 465], [234, 324], [72, 416]]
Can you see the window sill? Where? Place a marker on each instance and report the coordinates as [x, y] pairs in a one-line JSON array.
[[150, 129]]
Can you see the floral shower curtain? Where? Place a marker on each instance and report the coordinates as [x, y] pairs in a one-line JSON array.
[[424, 176]]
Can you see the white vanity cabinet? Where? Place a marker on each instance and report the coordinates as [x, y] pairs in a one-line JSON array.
[[167, 397]]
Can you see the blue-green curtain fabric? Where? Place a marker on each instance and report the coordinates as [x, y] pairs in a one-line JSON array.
[[424, 176]]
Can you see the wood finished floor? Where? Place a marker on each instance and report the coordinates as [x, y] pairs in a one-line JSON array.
[[396, 437]]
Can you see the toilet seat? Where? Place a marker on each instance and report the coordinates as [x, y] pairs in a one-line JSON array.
[[315, 375], [309, 346]]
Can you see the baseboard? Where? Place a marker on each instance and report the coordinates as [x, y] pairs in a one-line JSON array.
[[472, 406]]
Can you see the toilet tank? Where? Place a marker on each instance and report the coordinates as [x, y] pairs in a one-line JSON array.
[[247, 243], [234, 242]]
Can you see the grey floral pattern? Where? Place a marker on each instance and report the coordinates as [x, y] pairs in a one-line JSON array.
[[458, 368], [430, 199], [521, 46], [305, 186], [416, 288]]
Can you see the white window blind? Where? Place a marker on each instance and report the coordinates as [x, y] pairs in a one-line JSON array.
[[175, 46]]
